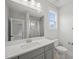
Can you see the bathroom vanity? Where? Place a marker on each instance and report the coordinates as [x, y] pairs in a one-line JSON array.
[[37, 49]]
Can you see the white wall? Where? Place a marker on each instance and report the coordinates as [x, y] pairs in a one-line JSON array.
[[6, 22], [66, 24]]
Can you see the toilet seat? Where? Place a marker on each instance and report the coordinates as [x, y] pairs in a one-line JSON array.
[[61, 48]]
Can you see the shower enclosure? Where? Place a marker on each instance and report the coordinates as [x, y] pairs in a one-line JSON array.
[[17, 28]]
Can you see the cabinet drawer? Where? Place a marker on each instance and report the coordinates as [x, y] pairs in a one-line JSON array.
[[50, 46], [13, 58], [49, 54], [41, 56], [32, 54]]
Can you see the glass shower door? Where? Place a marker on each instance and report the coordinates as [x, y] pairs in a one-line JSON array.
[[17, 28], [34, 28]]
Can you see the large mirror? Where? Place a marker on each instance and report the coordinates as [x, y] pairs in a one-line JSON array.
[[16, 29], [22, 22], [16, 25], [23, 25], [36, 26]]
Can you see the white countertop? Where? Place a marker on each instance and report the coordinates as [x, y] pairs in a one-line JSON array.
[[16, 50]]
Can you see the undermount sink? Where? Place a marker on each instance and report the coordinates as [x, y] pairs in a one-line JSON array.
[[29, 45]]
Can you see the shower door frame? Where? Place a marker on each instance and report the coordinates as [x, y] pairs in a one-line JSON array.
[[20, 20]]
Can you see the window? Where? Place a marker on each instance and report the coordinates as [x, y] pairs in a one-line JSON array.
[[52, 17]]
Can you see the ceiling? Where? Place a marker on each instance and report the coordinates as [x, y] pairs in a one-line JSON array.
[[60, 3]]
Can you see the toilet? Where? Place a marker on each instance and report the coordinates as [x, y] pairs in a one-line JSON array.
[[60, 50]]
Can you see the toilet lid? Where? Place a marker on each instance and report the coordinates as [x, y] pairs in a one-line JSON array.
[[61, 48]]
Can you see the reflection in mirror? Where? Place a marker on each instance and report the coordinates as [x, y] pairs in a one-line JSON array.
[[23, 25], [17, 29], [36, 27], [16, 25]]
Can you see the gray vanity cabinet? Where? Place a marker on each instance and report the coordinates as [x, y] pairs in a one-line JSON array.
[[45, 52], [36, 54], [14, 58], [41, 56], [49, 52]]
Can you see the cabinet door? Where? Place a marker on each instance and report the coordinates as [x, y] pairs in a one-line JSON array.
[[32, 54], [49, 54], [13, 58], [39, 57], [25, 57]]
